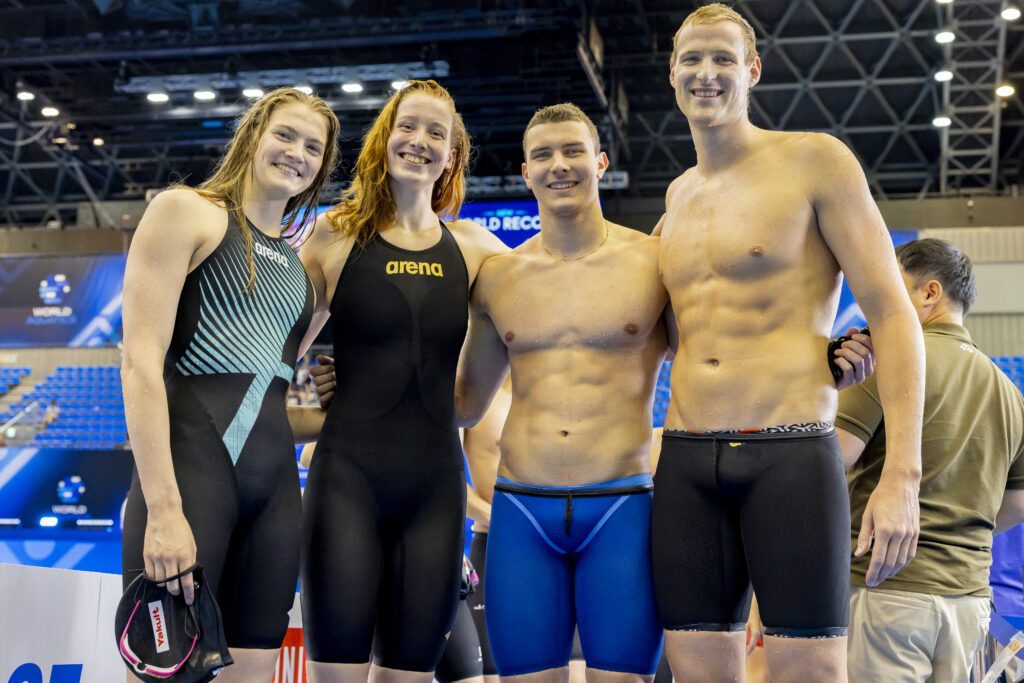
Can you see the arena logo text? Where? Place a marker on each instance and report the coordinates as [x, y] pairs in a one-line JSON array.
[[413, 268]]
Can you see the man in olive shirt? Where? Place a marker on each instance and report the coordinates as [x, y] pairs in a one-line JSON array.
[[928, 621]]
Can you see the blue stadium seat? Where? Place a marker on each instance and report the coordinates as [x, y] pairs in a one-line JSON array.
[[91, 403]]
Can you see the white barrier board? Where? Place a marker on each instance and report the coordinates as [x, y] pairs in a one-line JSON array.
[[56, 626]]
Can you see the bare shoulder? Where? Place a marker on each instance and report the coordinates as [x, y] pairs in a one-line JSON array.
[[327, 246], [474, 236], [491, 275], [827, 167], [686, 178], [680, 188], [183, 214], [813, 149], [633, 244], [621, 233], [500, 266], [322, 235], [499, 263], [477, 245], [325, 233], [183, 202], [323, 229]]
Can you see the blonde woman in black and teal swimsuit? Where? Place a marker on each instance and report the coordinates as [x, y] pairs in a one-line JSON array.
[[215, 306]]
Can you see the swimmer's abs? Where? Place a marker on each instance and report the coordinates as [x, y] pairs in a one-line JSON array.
[[749, 395], [568, 461]]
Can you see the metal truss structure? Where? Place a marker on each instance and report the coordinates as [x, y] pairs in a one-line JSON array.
[[862, 70], [970, 152]]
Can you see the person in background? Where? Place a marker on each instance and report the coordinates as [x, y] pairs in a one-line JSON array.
[[928, 622], [51, 414]]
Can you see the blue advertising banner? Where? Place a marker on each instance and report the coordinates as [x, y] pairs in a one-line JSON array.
[[513, 222], [61, 300]]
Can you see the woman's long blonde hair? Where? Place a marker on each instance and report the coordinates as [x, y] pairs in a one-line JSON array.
[[227, 184], [368, 206]]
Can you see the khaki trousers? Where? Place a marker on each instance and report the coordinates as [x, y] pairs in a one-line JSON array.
[[903, 637]]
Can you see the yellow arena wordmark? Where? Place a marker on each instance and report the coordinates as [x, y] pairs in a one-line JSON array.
[[413, 268]]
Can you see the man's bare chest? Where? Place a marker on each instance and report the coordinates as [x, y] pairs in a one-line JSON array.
[[578, 307], [747, 236]]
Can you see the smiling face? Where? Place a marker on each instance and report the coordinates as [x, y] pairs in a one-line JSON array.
[[420, 145], [290, 152], [562, 166], [710, 73]]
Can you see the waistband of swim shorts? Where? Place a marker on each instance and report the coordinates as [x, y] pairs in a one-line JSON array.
[[636, 483], [805, 430]]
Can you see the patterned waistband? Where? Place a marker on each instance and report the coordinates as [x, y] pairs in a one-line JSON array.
[[802, 430], [795, 428]]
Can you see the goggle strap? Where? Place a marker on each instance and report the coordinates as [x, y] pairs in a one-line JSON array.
[[132, 658]]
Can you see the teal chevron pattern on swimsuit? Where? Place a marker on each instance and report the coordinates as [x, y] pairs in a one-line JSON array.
[[245, 333]]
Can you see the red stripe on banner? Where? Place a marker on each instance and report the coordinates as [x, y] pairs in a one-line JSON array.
[[291, 663]]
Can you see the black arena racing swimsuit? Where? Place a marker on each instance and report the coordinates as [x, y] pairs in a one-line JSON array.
[[227, 371], [385, 498]]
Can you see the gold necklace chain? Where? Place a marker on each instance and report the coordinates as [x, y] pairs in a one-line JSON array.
[[581, 256]]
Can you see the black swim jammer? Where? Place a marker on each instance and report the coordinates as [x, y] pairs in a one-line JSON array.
[[731, 509]]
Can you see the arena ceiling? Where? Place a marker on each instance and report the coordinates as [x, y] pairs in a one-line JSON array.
[[860, 69]]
